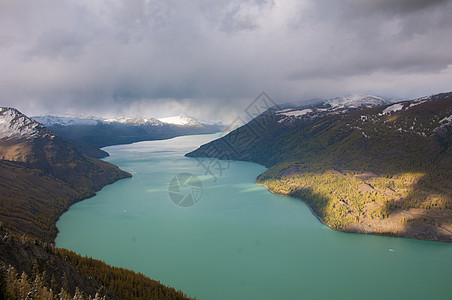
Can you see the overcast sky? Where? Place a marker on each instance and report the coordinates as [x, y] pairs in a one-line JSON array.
[[211, 58]]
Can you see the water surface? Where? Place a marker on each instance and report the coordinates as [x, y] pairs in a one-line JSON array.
[[240, 241]]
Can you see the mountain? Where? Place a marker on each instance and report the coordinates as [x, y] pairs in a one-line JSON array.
[[42, 174], [49, 120], [98, 132], [356, 101], [279, 120], [181, 120], [360, 166], [319, 108], [350, 101]]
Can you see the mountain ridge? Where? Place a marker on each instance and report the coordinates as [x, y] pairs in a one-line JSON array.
[[181, 119], [98, 132]]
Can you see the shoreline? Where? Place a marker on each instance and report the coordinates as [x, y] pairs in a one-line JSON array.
[[354, 230], [83, 199], [307, 204]]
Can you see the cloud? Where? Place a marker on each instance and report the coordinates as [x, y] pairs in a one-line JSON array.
[[210, 59], [397, 7]]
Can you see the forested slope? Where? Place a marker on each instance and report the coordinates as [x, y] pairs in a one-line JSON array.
[[383, 170], [41, 175]]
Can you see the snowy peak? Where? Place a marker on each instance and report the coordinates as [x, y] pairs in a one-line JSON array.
[[424, 116], [392, 108], [333, 106], [182, 120], [356, 101], [405, 105], [50, 120], [133, 121], [14, 124]]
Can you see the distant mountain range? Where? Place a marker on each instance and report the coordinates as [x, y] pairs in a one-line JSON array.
[[99, 132], [362, 163]]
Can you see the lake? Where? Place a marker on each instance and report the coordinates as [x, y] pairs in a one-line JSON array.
[[232, 239]]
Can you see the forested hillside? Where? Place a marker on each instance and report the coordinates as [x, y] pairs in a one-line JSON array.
[[41, 175], [383, 170], [33, 269]]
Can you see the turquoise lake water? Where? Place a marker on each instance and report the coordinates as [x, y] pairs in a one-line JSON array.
[[239, 241]]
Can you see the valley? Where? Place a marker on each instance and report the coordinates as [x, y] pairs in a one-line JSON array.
[[361, 163], [222, 150]]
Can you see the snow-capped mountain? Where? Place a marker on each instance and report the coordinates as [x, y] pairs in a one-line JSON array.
[[290, 115], [328, 107], [100, 132], [25, 140], [14, 124], [132, 121], [49, 120], [182, 119], [356, 101], [43, 173]]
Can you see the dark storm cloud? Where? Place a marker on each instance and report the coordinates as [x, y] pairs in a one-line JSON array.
[[397, 6], [211, 58]]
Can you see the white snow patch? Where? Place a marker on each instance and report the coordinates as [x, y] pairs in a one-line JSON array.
[[284, 110], [354, 101], [443, 123], [446, 120], [180, 120], [417, 102], [393, 108], [294, 113]]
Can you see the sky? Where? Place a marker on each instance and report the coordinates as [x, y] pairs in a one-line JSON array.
[[211, 58]]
